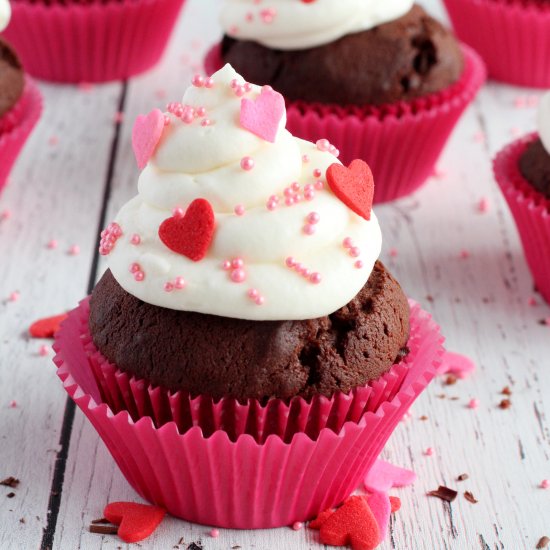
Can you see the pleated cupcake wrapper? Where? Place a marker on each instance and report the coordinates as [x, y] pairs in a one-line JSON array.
[[531, 211], [92, 42], [242, 484], [16, 126], [401, 141], [513, 37]]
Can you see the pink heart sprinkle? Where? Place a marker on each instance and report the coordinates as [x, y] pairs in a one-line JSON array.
[[380, 506], [383, 476], [454, 363], [262, 116], [146, 134]]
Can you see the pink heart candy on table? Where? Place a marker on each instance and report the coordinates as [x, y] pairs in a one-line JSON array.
[[380, 506], [383, 476], [263, 115], [146, 134], [457, 364]]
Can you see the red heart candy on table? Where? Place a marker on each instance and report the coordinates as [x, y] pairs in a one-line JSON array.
[[352, 524], [190, 235], [136, 521], [263, 115], [146, 134], [354, 186], [46, 328]]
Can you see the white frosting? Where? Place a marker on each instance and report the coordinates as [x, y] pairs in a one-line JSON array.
[[296, 25], [5, 14], [544, 121], [193, 161]]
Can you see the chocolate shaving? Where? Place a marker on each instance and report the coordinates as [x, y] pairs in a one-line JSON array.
[[470, 497], [100, 521], [103, 529], [10, 482], [444, 493], [505, 404], [423, 417], [542, 322], [462, 477], [506, 390], [10, 495], [543, 543]]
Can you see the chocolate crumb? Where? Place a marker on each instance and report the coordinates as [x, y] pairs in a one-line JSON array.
[[100, 521], [103, 529], [462, 477], [10, 495], [455, 398], [235, 547], [444, 493], [506, 390], [181, 541], [543, 543], [505, 404], [470, 497], [10, 482], [441, 396], [542, 322], [450, 380], [22, 520], [195, 546], [423, 417], [430, 298]]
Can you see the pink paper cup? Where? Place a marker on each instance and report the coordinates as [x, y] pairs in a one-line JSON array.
[[530, 209], [16, 126], [91, 42], [513, 37], [401, 142], [242, 483]]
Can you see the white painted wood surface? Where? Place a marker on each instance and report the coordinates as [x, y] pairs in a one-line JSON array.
[[57, 192]]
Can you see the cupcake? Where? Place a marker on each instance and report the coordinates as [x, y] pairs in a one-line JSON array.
[[20, 102], [523, 172], [91, 41], [381, 81], [245, 356], [512, 36]]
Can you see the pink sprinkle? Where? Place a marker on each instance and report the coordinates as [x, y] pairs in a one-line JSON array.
[[85, 86], [473, 403], [315, 278], [271, 205], [54, 140], [479, 137], [200, 112], [290, 262], [139, 276], [347, 242], [393, 252], [52, 244], [317, 173], [226, 265], [136, 239], [359, 264], [249, 17], [253, 293], [289, 201], [268, 15], [14, 296], [305, 159], [160, 93], [215, 533], [334, 151], [43, 350], [313, 217], [295, 186], [354, 252], [464, 254], [429, 451], [323, 145], [209, 82], [134, 268], [532, 302], [179, 283], [206, 122], [168, 286], [13, 404], [197, 81], [166, 120], [178, 212], [545, 484], [238, 275], [532, 101], [309, 195], [515, 131], [247, 163], [520, 102], [297, 525], [309, 229], [305, 272], [439, 173], [237, 263], [259, 301], [483, 205], [118, 118], [5, 215], [74, 250], [239, 209], [319, 184]]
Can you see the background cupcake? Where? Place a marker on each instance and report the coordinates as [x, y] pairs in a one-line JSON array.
[[226, 287], [376, 79], [512, 36], [523, 172], [20, 102], [91, 41]]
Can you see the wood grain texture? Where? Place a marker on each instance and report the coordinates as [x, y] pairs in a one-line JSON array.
[[481, 302]]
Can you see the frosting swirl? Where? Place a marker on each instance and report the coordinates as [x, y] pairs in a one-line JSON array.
[[300, 24], [5, 14], [264, 240], [544, 121]]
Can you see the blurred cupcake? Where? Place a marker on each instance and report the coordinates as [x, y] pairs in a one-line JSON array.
[[512, 36], [20, 102], [245, 337], [91, 40], [523, 172], [382, 81]]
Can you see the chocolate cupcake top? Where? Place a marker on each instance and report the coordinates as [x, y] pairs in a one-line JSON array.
[[235, 217], [300, 24], [534, 164]]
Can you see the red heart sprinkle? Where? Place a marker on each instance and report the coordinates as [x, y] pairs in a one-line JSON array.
[[317, 523], [354, 524], [146, 134], [46, 328], [190, 235], [136, 521], [354, 186], [395, 504]]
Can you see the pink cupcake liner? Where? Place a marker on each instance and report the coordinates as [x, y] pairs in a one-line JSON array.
[[16, 126], [401, 142], [531, 211], [513, 37], [242, 483], [94, 42]]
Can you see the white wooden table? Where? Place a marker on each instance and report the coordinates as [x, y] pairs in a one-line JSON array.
[[78, 169]]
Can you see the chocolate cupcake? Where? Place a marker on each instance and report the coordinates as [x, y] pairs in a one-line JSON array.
[[523, 172], [380, 80]]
